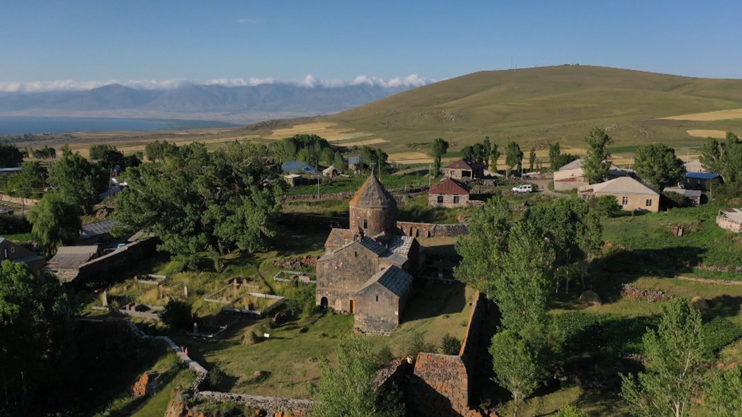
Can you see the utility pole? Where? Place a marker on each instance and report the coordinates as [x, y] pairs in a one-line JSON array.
[[430, 172], [316, 167]]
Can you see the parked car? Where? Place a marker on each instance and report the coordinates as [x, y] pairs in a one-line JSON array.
[[523, 188]]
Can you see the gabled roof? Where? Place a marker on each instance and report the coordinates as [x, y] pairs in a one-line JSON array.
[[621, 185], [354, 159], [339, 237], [576, 164], [373, 195], [373, 246], [701, 175], [72, 256], [96, 229], [449, 186], [297, 166], [401, 244], [464, 163], [393, 279]]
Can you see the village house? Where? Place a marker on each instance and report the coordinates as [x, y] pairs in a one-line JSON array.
[[703, 181], [67, 261], [448, 193], [694, 196], [631, 194], [354, 162], [365, 269], [19, 254], [572, 176], [464, 169]]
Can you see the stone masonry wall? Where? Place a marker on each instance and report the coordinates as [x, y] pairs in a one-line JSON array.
[[28, 202], [724, 222], [432, 229], [440, 386], [448, 200], [110, 265]]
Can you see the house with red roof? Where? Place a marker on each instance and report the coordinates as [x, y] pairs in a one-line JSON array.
[[448, 193], [464, 168]]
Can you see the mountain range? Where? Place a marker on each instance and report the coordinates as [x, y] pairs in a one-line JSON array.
[[217, 102]]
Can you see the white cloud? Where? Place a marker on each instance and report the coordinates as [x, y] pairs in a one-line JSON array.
[[309, 81], [248, 20]]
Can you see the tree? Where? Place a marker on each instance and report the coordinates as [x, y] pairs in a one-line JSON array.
[[328, 156], [338, 162], [495, 156], [570, 411], [450, 345], [177, 315], [675, 358], [562, 160], [608, 206], [657, 164], [10, 155], [36, 323], [724, 158], [283, 150], [97, 151], [515, 365], [347, 391], [438, 149], [513, 156], [597, 162], [157, 150], [478, 153], [31, 180], [531, 159], [724, 393], [199, 202], [468, 151], [55, 222], [45, 153], [487, 150], [554, 153], [77, 180]]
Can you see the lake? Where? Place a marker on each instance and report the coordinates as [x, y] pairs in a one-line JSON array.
[[21, 125]]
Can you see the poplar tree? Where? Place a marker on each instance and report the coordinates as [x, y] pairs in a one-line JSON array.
[[597, 164]]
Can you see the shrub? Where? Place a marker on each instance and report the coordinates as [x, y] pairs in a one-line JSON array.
[[177, 315], [11, 224], [571, 411], [608, 206], [450, 345], [384, 355], [720, 332], [419, 345], [671, 200], [216, 375]]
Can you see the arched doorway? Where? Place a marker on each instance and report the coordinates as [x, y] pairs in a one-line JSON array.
[[323, 302]]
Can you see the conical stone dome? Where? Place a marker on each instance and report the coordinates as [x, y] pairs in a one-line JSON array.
[[373, 210]]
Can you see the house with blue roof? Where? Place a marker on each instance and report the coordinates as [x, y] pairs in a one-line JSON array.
[[298, 166], [702, 181]]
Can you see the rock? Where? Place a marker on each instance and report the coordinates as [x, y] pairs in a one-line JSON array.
[[700, 304], [140, 387], [250, 338], [590, 298]]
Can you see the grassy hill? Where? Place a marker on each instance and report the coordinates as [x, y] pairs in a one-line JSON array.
[[536, 106]]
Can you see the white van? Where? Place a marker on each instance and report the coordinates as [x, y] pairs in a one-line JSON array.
[[523, 188]]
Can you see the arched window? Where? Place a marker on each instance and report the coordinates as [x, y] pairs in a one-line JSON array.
[[377, 298], [365, 224]]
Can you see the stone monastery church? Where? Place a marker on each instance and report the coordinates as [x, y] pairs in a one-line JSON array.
[[366, 269]]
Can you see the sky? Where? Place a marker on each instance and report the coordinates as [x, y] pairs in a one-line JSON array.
[[80, 41]]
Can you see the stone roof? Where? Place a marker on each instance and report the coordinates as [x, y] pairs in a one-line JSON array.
[[464, 163], [372, 195], [401, 244], [373, 246], [72, 256], [339, 237], [449, 186], [621, 185], [393, 279]]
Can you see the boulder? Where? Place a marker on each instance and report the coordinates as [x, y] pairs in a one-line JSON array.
[[700, 304], [590, 298]]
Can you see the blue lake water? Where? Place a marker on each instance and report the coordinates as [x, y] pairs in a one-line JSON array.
[[21, 125]]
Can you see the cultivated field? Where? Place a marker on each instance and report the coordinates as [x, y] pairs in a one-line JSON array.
[[709, 116]]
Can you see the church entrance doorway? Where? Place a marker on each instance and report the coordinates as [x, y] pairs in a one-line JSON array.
[[352, 306], [323, 302]]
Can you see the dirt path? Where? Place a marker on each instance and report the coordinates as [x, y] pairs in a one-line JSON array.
[[543, 187]]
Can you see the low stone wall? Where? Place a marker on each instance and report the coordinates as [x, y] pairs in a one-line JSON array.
[[110, 265], [440, 386], [433, 229], [725, 223], [396, 192], [28, 202], [473, 333], [271, 405]]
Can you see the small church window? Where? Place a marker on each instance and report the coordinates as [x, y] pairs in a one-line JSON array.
[[365, 224], [355, 254], [377, 298]]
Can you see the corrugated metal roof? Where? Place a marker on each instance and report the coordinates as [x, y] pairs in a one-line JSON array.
[[70, 257], [297, 166], [372, 195], [354, 160], [701, 175], [622, 185], [394, 279], [449, 186], [96, 229], [576, 164], [683, 191]]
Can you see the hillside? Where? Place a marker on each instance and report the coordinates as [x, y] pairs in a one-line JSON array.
[[539, 105]]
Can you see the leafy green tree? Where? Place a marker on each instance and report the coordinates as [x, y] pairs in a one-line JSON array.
[[676, 356], [157, 150], [36, 323], [572, 228], [486, 150], [450, 345], [468, 151], [328, 156], [531, 159], [177, 315], [597, 162], [338, 162], [724, 393], [45, 153], [570, 411], [283, 150], [516, 366], [608, 206], [30, 181], [495, 155], [563, 159], [347, 391], [199, 202], [77, 180], [658, 165], [513, 156], [438, 149], [554, 153], [10, 155], [97, 151], [55, 222], [478, 153], [724, 158]]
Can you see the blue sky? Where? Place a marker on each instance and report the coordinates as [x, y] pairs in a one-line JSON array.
[[87, 40]]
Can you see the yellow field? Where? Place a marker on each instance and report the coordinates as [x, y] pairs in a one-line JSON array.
[[704, 133], [329, 131], [364, 142], [709, 116]]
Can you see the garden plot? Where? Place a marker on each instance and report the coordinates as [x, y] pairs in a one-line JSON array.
[[239, 297]]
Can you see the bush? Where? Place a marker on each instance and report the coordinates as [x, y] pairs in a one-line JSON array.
[[450, 345], [720, 332], [384, 355], [672, 200], [216, 375], [418, 345], [177, 315], [571, 411], [608, 206], [12, 225]]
